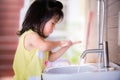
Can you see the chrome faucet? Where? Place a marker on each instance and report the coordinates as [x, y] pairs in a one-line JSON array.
[[103, 51]]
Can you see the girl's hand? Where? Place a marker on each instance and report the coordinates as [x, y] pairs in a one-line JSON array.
[[69, 43], [77, 42], [66, 43]]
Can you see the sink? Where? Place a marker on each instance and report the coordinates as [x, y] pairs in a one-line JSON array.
[[82, 72]]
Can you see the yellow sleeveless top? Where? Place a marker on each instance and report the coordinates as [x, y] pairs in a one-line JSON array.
[[28, 65]]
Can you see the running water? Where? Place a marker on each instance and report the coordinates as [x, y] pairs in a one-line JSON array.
[[81, 61]]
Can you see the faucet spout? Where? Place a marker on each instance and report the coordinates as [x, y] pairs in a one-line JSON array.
[[91, 51]]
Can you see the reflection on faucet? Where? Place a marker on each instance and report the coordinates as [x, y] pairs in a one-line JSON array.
[[103, 51]]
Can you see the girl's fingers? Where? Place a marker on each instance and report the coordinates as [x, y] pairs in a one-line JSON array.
[[77, 42], [69, 43], [66, 43]]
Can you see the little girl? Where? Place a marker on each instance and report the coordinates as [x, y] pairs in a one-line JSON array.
[[34, 50]]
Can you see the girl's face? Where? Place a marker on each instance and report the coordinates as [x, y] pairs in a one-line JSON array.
[[49, 26]]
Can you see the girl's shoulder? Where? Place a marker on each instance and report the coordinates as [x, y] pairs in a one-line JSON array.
[[31, 35], [30, 39]]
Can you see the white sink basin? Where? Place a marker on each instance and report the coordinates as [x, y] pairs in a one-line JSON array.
[[86, 72]]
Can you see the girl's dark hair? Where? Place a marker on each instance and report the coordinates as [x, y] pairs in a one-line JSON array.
[[39, 13]]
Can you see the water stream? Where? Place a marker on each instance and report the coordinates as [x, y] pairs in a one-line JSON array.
[[81, 61]]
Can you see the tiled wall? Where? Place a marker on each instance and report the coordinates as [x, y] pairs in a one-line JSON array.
[[112, 16], [112, 9]]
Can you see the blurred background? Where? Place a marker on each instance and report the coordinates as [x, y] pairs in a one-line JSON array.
[[79, 23]]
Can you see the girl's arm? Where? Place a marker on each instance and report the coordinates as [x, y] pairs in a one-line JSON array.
[[43, 45], [65, 45]]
